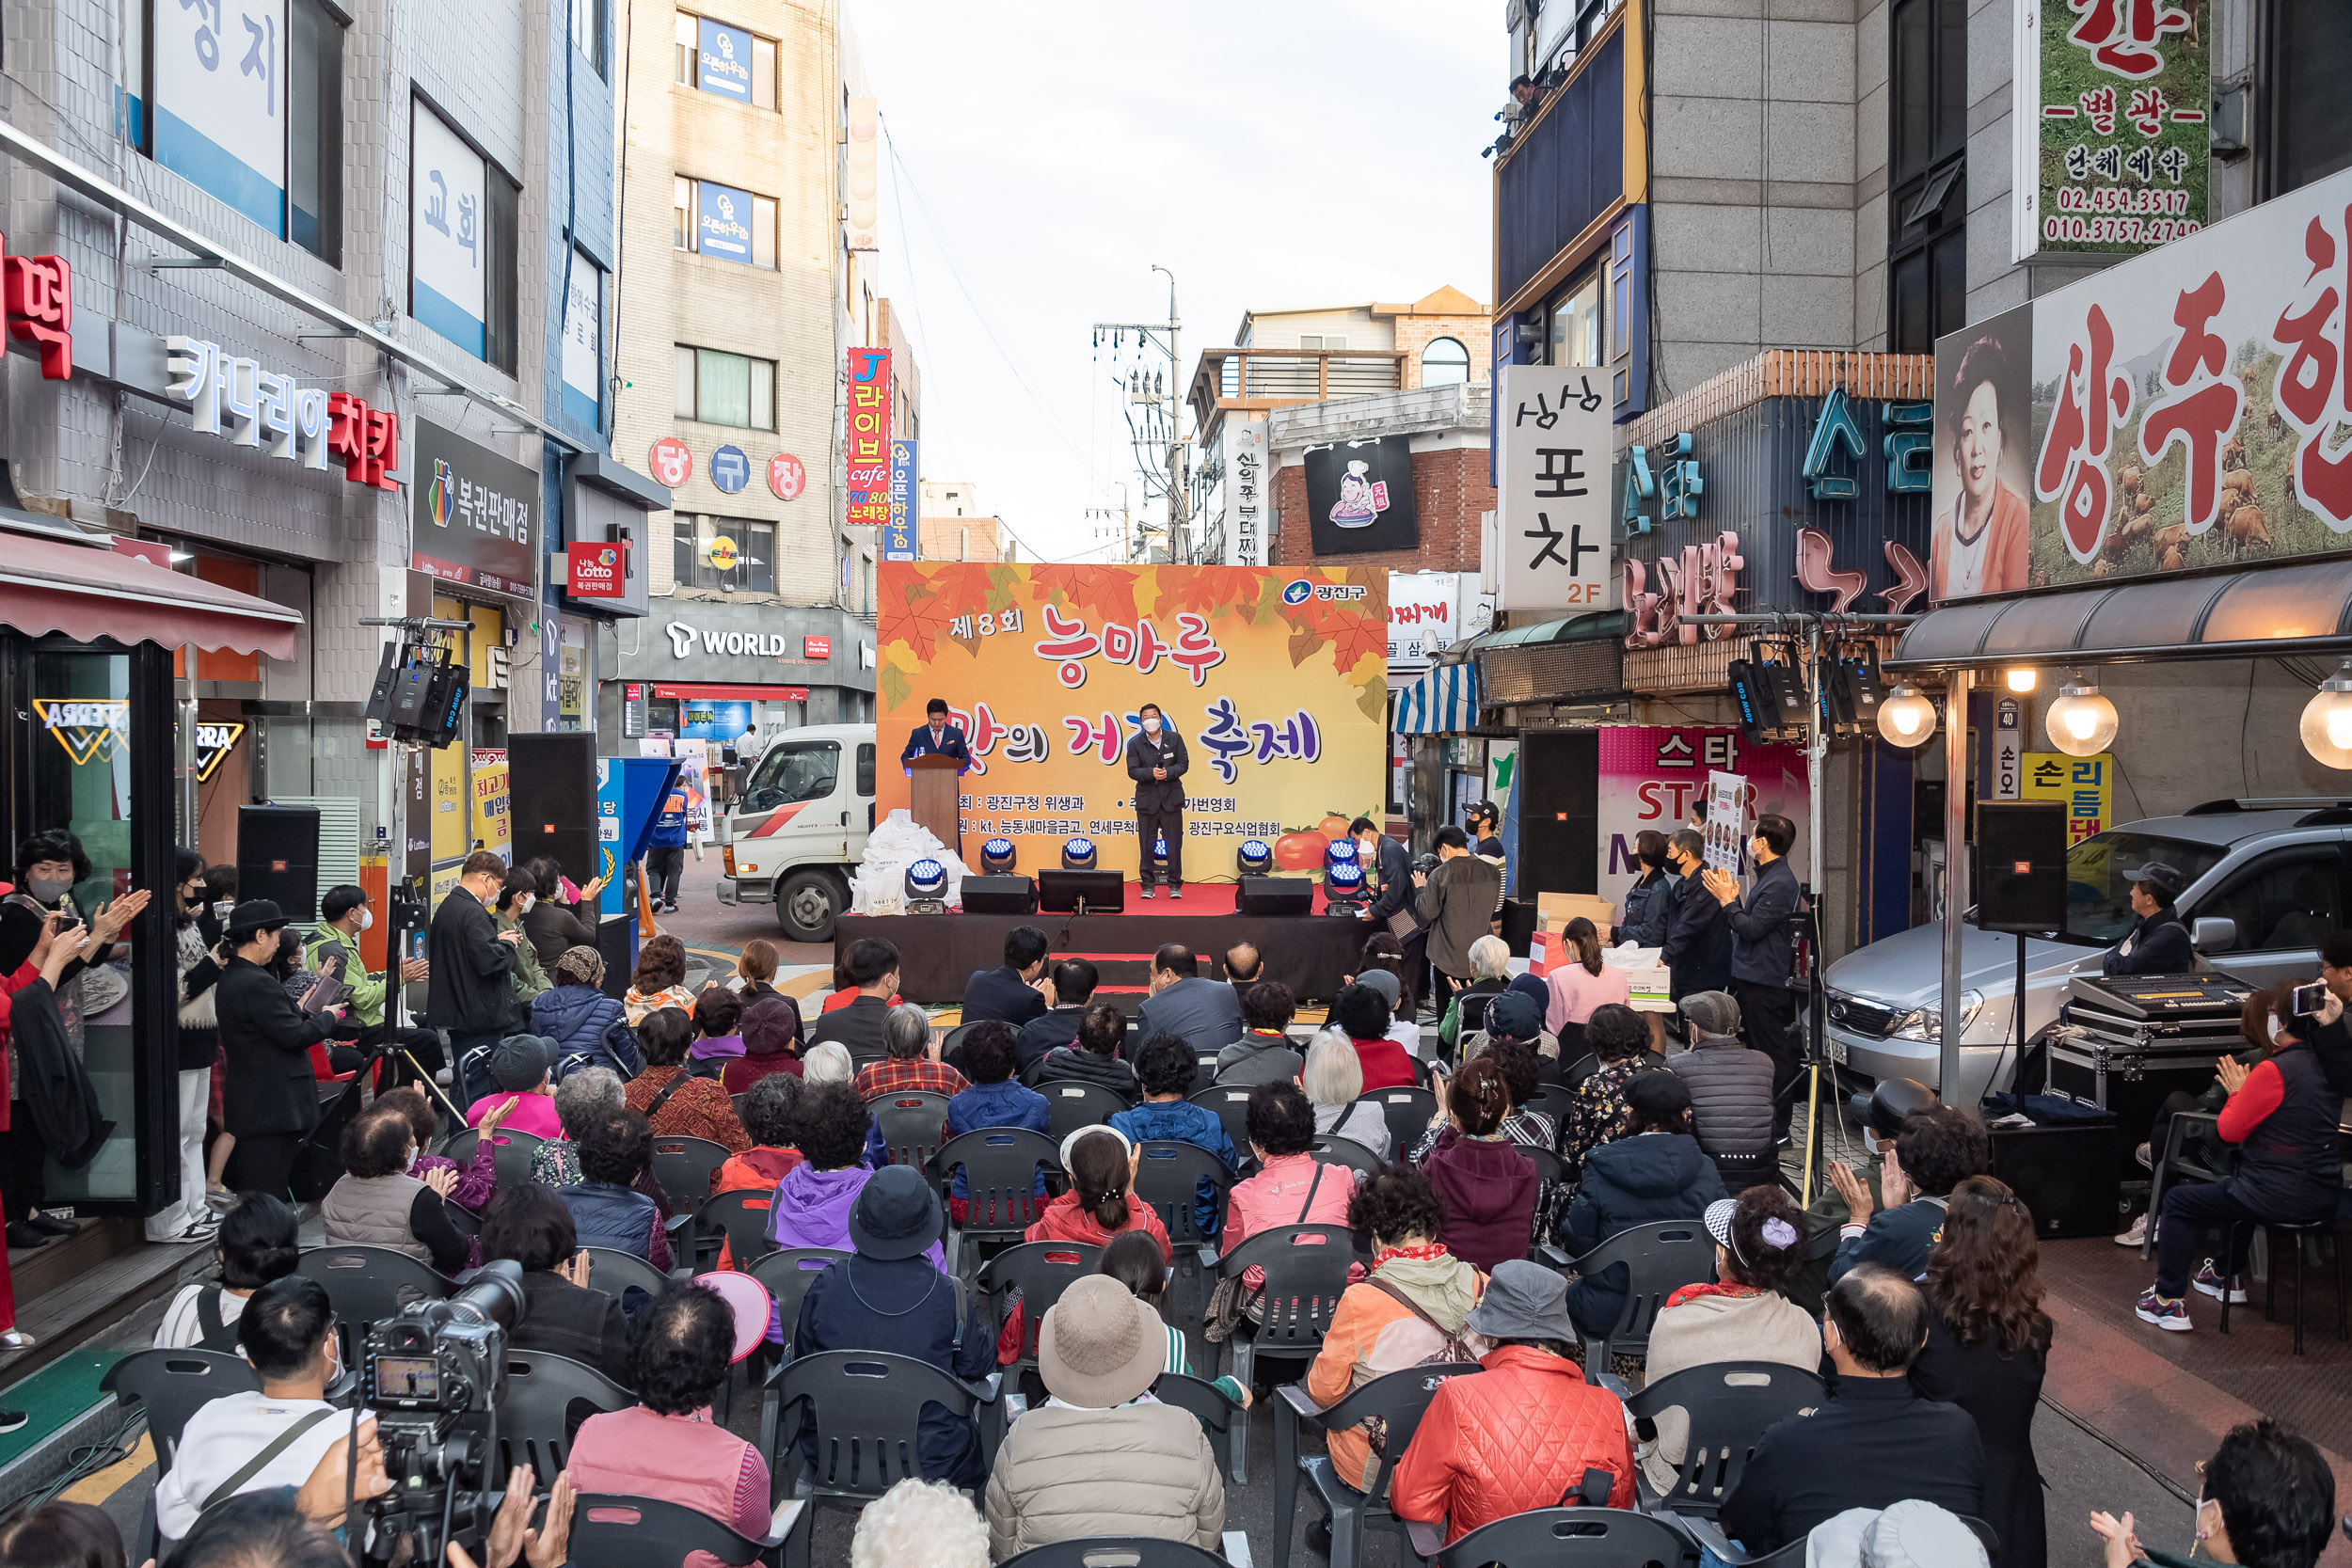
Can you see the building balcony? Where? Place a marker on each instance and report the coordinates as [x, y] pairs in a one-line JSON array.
[[1258, 379]]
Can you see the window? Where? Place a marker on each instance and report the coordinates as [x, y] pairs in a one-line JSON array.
[[717, 388], [1444, 363], [793, 770], [2288, 902], [314, 113], [1328, 344], [723, 223], [1573, 323], [726, 62], [2309, 116], [742, 562], [587, 23], [865, 770], [1928, 201], [462, 247]]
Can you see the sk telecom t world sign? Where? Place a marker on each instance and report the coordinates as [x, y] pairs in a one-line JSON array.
[[869, 437]]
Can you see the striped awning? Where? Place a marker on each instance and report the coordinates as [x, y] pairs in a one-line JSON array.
[[1443, 701]]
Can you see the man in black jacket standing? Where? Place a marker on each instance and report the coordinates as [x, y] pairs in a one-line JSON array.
[[1156, 762], [1763, 954], [471, 992], [269, 1095], [1697, 946]]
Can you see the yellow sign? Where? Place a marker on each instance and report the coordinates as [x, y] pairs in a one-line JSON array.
[[449, 838], [722, 553], [2085, 785], [493, 825], [1275, 679]]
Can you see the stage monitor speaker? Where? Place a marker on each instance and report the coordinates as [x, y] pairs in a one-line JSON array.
[[1274, 896], [1062, 891], [2067, 1177], [999, 895], [2020, 874], [551, 794], [617, 940], [278, 857]]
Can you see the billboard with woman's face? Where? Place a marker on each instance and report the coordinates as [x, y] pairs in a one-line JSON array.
[[1982, 408]]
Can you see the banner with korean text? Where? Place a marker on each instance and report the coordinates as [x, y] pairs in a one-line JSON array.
[[1275, 679], [1651, 775], [869, 437], [2180, 409]]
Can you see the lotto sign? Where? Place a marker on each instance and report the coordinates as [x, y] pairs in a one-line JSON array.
[[673, 462], [869, 437], [2117, 92], [786, 477], [1281, 699], [1553, 476], [815, 647], [1651, 774], [595, 572]]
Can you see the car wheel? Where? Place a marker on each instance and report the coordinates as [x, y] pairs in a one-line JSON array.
[[808, 904]]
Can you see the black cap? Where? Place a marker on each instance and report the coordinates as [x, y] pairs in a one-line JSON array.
[[1657, 1096], [896, 1215], [254, 914], [1894, 1100], [1512, 1016]]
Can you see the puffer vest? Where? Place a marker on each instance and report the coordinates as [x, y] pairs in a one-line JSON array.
[[605, 1215], [2290, 1166], [373, 1210]]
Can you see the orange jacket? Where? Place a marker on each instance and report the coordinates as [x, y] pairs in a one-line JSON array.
[[1518, 1436], [1370, 1333]]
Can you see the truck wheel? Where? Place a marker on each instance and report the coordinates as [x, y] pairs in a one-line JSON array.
[[808, 904]]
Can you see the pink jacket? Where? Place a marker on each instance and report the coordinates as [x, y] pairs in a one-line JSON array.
[[688, 1459], [1279, 1195], [1577, 991]]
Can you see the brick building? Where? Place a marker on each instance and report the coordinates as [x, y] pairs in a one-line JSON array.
[[1447, 429]]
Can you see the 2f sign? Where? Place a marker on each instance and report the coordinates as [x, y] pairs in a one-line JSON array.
[[1554, 474]]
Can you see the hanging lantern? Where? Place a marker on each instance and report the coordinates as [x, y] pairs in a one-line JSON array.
[[2327, 720], [1906, 717], [2080, 722]]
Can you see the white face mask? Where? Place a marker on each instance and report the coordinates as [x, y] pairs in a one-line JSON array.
[[1151, 727], [367, 920], [413, 1152], [522, 905]]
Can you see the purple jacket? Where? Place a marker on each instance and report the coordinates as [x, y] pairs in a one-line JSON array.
[[1490, 1195], [811, 1208], [715, 1048]]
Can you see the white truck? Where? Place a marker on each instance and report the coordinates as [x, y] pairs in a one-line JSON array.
[[795, 835]]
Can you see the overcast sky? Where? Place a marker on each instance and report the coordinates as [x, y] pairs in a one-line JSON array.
[[1271, 152]]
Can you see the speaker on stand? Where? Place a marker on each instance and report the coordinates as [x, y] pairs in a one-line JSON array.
[[2019, 879], [278, 857]]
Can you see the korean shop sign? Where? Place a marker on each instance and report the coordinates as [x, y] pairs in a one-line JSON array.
[[2119, 93], [1557, 440], [475, 517], [869, 437], [2180, 409], [2085, 785], [250, 405]]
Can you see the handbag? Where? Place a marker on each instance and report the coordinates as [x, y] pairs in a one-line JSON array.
[[1451, 1347], [1231, 1301]]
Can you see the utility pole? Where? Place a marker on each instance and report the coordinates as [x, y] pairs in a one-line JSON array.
[[1126, 524], [1158, 398]]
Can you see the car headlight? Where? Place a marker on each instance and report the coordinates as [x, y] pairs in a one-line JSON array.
[[1927, 1023]]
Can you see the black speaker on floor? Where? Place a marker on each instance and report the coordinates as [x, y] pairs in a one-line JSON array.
[[551, 795], [617, 941], [2067, 1177], [2020, 873], [278, 857], [999, 895], [1274, 896]]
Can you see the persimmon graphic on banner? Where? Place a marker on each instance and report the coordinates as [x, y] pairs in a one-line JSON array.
[[1275, 678]]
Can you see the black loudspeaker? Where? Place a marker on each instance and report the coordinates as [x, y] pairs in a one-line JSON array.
[[617, 940], [2069, 1178], [1274, 896], [278, 857], [999, 895], [2020, 874], [551, 790]]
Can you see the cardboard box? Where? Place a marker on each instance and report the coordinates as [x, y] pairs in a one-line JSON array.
[[1554, 911]]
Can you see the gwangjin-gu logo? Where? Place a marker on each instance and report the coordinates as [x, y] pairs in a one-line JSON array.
[[1298, 592]]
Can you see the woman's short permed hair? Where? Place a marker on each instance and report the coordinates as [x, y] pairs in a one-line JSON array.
[[830, 1124], [990, 1052], [660, 964], [664, 1035], [1166, 1064], [1398, 1202], [770, 1106], [683, 1349]]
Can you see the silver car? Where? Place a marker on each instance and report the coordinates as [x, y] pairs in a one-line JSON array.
[[2266, 884]]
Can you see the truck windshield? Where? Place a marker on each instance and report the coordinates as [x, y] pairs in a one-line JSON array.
[[797, 771], [2099, 901]]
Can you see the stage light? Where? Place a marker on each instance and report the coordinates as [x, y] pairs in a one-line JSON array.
[[2081, 723], [1906, 719], [1340, 851], [926, 887], [2326, 726], [1343, 889], [996, 856], [1253, 859], [1077, 854]]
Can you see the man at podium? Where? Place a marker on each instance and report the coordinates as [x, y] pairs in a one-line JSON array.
[[938, 738]]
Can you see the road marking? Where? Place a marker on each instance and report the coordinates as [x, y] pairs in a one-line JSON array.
[[98, 1486]]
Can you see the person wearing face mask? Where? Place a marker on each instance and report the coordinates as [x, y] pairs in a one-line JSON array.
[[472, 994], [2268, 1498], [378, 1202], [269, 1096], [344, 912], [190, 1216], [1156, 761], [517, 896], [1697, 948]]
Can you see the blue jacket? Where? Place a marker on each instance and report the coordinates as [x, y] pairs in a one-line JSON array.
[[1000, 993], [2159, 945], [587, 1024], [906, 1307], [951, 745], [1182, 1121], [1698, 941], [1004, 1103], [621, 1218], [1900, 1238], [1762, 926], [669, 823], [1647, 903], [1396, 878]]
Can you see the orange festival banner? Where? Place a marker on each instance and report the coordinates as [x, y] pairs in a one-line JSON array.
[[1275, 678]]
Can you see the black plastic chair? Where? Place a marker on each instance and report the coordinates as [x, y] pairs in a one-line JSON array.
[[1548, 1167], [865, 1409], [787, 1275], [737, 1100], [683, 1165], [2299, 1238], [1000, 1171], [1198, 1398], [613, 1272], [1553, 1102], [1204, 1075], [1573, 1075], [1334, 1151], [953, 1042], [1038, 1273], [1306, 1269], [1118, 1551], [1169, 1178], [1400, 1399], [1069, 1106], [1729, 1405], [367, 1284], [1230, 1103], [547, 1398], [912, 1122], [1661, 1258], [1566, 1538], [1408, 1112], [511, 1153], [740, 1219], [2174, 1160], [172, 1385], [614, 1532]]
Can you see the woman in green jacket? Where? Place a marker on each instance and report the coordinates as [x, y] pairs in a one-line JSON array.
[[514, 899]]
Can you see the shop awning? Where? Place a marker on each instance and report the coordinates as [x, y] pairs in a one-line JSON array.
[[714, 693], [87, 593], [1443, 701], [2247, 614]]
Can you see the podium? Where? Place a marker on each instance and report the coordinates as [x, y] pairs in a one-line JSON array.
[[932, 797]]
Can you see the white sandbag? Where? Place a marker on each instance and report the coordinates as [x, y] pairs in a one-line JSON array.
[[897, 843]]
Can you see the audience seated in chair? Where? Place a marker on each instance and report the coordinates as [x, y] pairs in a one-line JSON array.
[[1092, 1057], [1521, 1079], [1333, 1079], [1098, 1205], [769, 1107], [1264, 1051], [1490, 975], [1522, 1432], [910, 1059], [519, 1067], [668, 1093], [717, 1033], [667, 1446], [375, 1202], [564, 1312], [771, 1043], [587, 1026], [1939, 1147], [606, 1205], [1074, 980], [1094, 1461], [1183, 1002], [477, 1179], [1487, 1186], [1875, 1442], [1744, 1316], [920, 1524], [814, 1199], [1731, 1086], [890, 1296], [1164, 1068], [1018, 991], [1657, 1174], [258, 1243], [585, 1094], [2267, 1496], [1363, 1016], [1291, 1185], [1617, 1039]]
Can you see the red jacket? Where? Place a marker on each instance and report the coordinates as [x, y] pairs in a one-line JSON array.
[[1519, 1435], [1386, 1064]]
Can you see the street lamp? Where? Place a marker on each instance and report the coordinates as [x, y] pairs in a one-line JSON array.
[[1906, 719], [2021, 680], [2080, 722], [2326, 726]]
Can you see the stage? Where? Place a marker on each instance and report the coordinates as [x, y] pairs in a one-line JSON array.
[[937, 953]]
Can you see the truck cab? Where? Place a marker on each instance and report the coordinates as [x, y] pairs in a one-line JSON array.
[[797, 832]]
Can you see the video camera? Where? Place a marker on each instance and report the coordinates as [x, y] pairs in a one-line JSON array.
[[433, 1376]]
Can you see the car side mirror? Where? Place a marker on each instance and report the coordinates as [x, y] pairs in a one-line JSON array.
[[2214, 934]]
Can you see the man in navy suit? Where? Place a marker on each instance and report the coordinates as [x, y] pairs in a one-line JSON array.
[[939, 737]]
